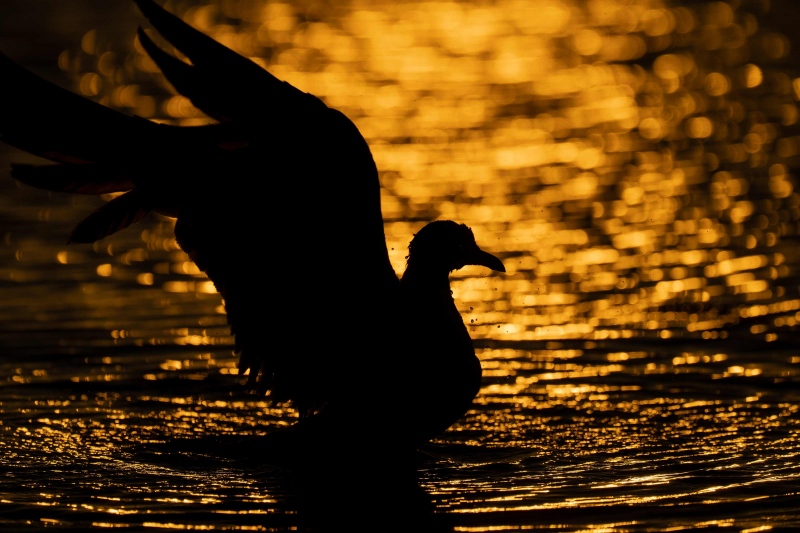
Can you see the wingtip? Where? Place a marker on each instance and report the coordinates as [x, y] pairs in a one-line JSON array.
[[144, 39], [152, 10], [140, 2], [74, 239], [16, 167], [21, 171], [81, 235], [143, 8]]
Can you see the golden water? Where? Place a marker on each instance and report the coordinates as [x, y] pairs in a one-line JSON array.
[[633, 164]]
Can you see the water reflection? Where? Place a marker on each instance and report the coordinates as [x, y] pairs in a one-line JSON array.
[[632, 162]]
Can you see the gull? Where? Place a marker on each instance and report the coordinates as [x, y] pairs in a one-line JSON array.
[[278, 203]]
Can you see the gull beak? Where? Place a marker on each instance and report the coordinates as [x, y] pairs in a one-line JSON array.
[[479, 257]]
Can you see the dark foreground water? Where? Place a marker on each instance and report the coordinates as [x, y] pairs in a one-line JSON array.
[[632, 162]]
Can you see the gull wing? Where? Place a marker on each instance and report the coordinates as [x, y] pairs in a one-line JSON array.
[[279, 204], [301, 186], [79, 179], [219, 81], [114, 215], [51, 122]]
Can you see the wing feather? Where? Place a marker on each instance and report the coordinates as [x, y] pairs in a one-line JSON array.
[[79, 179], [230, 184], [220, 82], [49, 121], [117, 214], [184, 78]]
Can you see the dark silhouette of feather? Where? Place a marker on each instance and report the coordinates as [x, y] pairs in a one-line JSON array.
[[79, 179], [46, 120], [117, 214], [220, 82], [185, 78]]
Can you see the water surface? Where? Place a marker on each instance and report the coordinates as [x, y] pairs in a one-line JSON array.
[[633, 164]]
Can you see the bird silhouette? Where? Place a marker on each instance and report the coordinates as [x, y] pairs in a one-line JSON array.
[[279, 204]]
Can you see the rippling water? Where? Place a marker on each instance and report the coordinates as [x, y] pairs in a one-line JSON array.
[[633, 163]]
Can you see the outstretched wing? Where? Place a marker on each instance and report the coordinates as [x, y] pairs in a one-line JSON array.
[[292, 151], [92, 144], [220, 82], [279, 203], [48, 121]]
